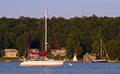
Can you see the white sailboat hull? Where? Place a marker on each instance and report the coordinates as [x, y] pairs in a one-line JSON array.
[[100, 60], [42, 63]]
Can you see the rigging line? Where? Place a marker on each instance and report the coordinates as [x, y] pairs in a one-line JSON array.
[[54, 35], [36, 29], [35, 32], [53, 30], [107, 56]]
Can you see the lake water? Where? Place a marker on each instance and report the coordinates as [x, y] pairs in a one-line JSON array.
[[76, 68]]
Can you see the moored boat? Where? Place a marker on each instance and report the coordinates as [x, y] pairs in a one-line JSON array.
[[100, 56], [40, 59], [100, 60], [42, 63], [75, 58]]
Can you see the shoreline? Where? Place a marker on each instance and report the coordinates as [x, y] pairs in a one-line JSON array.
[[17, 59], [64, 61]]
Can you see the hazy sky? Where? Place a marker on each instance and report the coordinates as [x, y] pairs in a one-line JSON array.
[[63, 8]]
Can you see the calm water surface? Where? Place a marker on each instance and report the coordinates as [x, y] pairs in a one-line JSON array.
[[76, 68]]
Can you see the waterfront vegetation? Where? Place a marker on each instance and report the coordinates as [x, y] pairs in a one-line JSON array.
[[80, 34]]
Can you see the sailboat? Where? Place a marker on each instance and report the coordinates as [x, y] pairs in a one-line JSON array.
[[75, 58], [44, 61], [102, 57]]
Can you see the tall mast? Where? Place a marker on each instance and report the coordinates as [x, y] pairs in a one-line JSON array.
[[101, 48], [45, 29]]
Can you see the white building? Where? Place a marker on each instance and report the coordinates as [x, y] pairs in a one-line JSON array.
[[11, 52], [61, 52]]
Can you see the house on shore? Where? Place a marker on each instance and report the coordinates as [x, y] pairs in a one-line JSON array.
[[60, 52], [88, 58], [10, 52]]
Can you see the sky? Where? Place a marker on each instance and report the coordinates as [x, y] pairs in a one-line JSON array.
[[59, 8]]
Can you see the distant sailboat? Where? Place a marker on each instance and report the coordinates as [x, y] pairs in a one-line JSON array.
[[75, 57], [43, 60], [101, 55]]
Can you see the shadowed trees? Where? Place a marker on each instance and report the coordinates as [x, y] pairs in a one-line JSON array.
[[26, 32]]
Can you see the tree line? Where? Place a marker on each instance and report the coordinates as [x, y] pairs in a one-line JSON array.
[[78, 34]]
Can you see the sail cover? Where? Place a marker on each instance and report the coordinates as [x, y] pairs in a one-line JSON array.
[[38, 53]]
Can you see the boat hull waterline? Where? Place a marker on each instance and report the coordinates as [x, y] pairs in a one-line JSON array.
[[42, 63], [100, 60]]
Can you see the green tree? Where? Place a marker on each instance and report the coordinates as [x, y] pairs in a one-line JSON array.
[[113, 49], [69, 47]]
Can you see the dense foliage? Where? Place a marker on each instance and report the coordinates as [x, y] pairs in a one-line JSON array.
[[77, 34]]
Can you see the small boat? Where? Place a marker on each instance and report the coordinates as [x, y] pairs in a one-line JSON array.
[[101, 57], [100, 60], [75, 58], [42, 60], [70, 64]]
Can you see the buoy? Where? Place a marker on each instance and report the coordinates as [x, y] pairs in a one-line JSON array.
[[70, 64]]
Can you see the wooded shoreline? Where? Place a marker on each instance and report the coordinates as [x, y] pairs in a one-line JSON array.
[[81, 34]]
